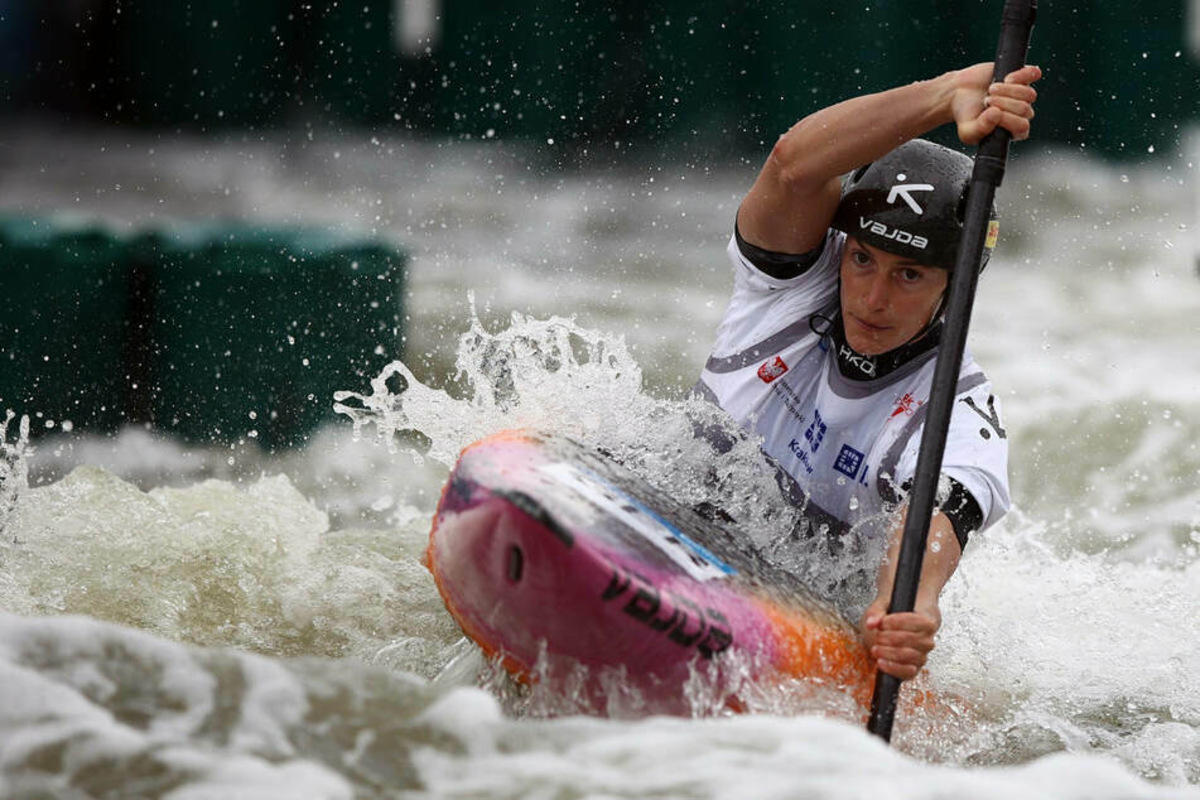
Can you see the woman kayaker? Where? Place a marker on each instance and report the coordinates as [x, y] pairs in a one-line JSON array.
[[842, 251]]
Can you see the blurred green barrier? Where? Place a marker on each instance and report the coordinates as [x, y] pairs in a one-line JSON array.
[[255, 329], [689, 77], [211, 333], [64, 297]]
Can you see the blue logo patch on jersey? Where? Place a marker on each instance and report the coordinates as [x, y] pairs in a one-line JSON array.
[[816, 431], [848, 461]]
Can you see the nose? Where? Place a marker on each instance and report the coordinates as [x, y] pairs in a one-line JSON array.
[[877, 293]]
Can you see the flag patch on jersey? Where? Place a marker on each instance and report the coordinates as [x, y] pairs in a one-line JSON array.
[[907, 405], [770, 370]]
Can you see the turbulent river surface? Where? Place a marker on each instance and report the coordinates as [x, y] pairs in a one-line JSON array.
[[210, 621]]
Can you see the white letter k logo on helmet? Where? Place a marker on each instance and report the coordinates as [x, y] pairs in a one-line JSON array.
[[903, 190]]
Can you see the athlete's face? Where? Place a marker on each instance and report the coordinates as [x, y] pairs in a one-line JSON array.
[[886, 299]]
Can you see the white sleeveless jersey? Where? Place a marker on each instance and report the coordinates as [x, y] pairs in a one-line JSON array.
[[847, 444]]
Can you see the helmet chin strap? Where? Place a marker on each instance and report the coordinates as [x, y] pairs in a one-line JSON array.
[[933, 320]]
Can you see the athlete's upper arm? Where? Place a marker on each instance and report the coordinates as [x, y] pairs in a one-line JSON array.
[[787, 210], [976, 453]]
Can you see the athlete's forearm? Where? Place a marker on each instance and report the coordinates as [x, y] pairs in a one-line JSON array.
[[794, 198], [942, 554], [842, 137]]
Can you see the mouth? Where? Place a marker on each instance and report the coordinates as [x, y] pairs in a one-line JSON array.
[[867, 326]]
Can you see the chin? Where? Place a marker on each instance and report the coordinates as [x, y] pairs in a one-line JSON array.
[[867, 348]]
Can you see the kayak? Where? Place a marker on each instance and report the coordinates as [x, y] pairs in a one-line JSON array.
[[548, 552]]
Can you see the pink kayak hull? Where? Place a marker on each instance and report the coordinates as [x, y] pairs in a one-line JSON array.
[[541, 550]]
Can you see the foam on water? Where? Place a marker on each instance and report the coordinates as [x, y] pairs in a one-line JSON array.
[[91, 708], [1046, 648], [201, 622], [760, 756], [1083, 653]]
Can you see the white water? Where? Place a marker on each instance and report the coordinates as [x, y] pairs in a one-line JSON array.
[[213, 622]]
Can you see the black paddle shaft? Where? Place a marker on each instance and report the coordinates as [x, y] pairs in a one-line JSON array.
[[990, 161]]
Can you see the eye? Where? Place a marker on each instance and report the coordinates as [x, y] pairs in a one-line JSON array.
[[910, 275], [860, 257]]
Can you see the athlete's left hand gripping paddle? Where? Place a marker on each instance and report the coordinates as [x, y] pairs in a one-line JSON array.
[[1016, 25]]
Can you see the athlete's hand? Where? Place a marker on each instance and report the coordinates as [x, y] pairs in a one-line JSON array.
[[980, 106], [899, 643]]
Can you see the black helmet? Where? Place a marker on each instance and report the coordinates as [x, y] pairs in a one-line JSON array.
[[911, 203]]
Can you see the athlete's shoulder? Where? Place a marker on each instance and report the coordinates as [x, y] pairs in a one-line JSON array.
[[764, 270], [978, 403], [972, 379]]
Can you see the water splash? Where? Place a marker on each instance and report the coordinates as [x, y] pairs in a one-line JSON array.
[[555, 376], [738, 683], [550, 374], [14, 470]]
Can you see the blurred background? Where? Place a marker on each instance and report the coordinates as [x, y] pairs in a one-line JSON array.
[[196, 194], [708, 78], [217, 214]]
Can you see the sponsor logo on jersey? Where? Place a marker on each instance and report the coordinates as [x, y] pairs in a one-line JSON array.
[[991, 417], [887, 232], [816, 431], [907, 406], [770, 370], [864, 364], [801, 453], [848, 461]]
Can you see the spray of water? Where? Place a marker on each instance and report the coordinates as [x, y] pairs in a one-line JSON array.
[[1012, 691], [557, 377], [550, 374], [554, 376], [14, 471]]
